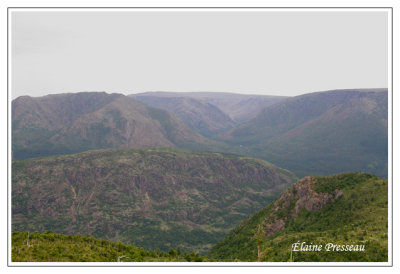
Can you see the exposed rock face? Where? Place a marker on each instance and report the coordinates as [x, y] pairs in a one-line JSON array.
[[352, 208], [299, 196], [154, 198], [272, 228]]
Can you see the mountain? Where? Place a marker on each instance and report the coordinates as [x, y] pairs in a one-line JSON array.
[[346, 209], [320, 133], [153, 198], [70, 123], [239, 107], [199, 115], [52, 247]]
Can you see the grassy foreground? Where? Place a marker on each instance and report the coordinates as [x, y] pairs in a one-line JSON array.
[[51, 247]]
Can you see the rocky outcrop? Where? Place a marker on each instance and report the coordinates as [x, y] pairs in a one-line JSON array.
[[155, 198], [301, 195]]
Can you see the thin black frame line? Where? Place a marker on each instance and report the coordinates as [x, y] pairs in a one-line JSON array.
[[8, 141]]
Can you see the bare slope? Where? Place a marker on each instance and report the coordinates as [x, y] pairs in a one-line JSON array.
[[69, 123]]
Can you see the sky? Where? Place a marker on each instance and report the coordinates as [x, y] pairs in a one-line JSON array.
[[251, 52]]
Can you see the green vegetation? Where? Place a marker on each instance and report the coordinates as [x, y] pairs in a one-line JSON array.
[[341, 181], [320, 133], [164, 198], [51, 247], [153, 198], [358, 216]]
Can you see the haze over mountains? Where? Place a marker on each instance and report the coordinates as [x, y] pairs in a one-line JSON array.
[[199, 115], [239, 107], [69, 123], [159, 196], [319, 133]]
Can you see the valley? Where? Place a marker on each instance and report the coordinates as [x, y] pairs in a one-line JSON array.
[[162, 171], [153, 198]]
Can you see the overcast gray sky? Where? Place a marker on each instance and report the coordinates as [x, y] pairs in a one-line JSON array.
[[262, 52]]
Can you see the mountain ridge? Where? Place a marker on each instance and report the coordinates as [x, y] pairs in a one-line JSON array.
[[341, 130], [199, 115], [239, 107], [70, 123], [153, 198]]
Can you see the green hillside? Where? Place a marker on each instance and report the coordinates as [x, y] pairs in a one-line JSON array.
[[320, 133], [153, 198], [345, 209], [51, 247]]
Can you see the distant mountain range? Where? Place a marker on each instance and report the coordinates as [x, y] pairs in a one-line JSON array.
[[70, 123], [153, 198], [117, 171], [346, 209], [199, 115], [239, 107], [319, 133]]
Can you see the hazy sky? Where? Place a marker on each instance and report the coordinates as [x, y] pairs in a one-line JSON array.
[[262, 52]]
